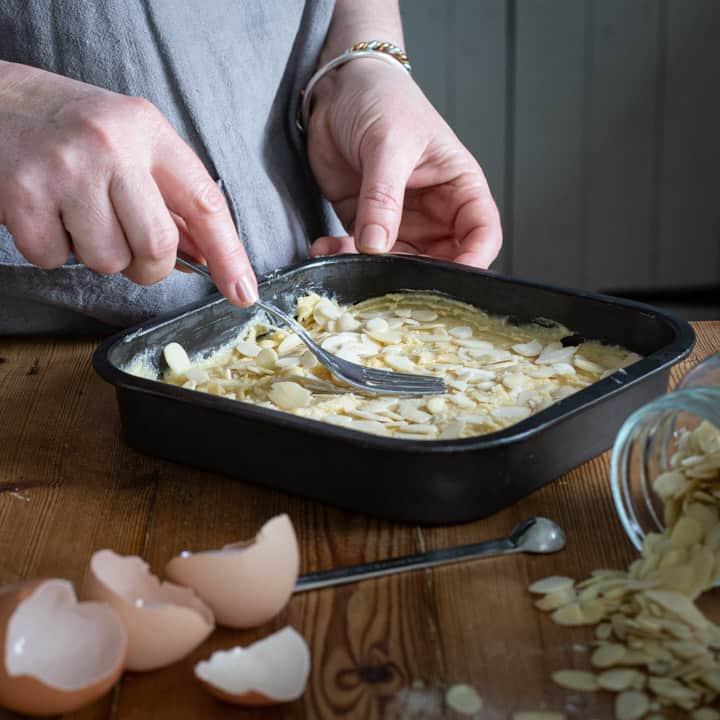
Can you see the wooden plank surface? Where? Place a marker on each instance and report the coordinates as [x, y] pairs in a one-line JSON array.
[[381, 649]]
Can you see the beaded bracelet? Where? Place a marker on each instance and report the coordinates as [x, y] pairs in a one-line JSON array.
[[379, 49]]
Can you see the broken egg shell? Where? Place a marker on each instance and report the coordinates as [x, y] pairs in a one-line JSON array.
[[246, 583], [270, 671], [164, 622], [57, 654]]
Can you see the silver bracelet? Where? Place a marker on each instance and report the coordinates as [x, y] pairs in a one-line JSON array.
[[381, 50]]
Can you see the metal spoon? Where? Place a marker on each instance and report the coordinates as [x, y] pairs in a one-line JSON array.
[[537, 536], [371, 380]]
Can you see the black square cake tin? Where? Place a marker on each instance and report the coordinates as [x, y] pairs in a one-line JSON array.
[[414, 481]]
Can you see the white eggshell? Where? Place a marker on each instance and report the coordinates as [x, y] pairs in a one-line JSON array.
[[164, 622], [272, 670], [57, 654], [246, 583]]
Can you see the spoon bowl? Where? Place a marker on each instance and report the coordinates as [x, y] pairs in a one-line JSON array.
[[538, 536]]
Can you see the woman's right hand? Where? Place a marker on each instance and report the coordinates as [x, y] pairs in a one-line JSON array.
[[106, 177]]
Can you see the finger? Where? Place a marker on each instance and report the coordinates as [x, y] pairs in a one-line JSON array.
[[98, 240], [40, 237], [151, 233], [478, 226], [185, 242], [333, 246], [191, 193], [385, 172]]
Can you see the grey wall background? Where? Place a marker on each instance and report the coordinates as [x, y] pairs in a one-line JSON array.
[[597, 123]]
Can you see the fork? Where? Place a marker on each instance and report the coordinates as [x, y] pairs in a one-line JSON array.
[[381, 382]]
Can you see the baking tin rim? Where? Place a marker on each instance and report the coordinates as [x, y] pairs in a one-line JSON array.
[[679, 348]]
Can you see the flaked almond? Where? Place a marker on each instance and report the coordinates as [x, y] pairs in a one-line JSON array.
[[289, 395], [575, 680], [176, 358], [552, 584]]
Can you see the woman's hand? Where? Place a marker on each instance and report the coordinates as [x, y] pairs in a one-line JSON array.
[[105, 176], [397, 176]]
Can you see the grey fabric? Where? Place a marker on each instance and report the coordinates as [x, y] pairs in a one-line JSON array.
[[226, 74]]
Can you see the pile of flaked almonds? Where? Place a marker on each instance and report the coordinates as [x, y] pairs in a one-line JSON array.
[[654, 648]]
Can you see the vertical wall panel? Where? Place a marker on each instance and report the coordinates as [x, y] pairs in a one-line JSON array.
[[622, 138], [688, 244], [427, 36], [458, 52], [597, 123], [477, 82], [548, 177]]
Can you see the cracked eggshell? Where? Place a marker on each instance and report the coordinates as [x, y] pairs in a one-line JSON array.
[[57, 654], [272, 670], [246, 583], [164, 622]]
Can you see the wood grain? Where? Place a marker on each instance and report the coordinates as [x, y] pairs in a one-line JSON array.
[[381, 649]]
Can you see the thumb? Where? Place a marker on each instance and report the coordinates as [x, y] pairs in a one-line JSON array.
[[380, 205]]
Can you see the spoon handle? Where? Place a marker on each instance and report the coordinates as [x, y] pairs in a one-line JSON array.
[[404, 563]]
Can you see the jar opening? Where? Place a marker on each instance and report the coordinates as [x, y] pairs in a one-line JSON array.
[[644, 449]]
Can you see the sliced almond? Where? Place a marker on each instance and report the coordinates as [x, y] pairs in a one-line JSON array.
[[618, 679], [247, 349], [687, 532], [347, 323], [608, 655], [289, 343], [176, 358], [463, 699], [570, 614], [435, 405], [266, 358], [424, 315], [552, 584], [528, 349], [399, 363], [555, 600], [631, 705], [461, 331], [575, 680], [705, 713], [289, 395]]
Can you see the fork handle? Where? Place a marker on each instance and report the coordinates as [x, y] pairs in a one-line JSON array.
[[182, 261]]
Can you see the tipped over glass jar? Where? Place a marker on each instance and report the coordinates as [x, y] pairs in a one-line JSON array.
[[665, 467]]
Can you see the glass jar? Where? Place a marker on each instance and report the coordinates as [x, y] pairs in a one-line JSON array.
[[648, 440]]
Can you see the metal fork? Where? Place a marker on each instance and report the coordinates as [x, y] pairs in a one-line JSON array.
[[382, 382]]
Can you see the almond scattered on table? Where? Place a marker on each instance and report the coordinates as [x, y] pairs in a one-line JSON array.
[[655, 647]]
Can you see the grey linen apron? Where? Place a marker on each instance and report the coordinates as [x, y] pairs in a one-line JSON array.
[[226, 74]]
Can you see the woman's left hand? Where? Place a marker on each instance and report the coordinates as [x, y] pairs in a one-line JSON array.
[[398, 177]]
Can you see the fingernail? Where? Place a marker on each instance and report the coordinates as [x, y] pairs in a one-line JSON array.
[[373, 239], [246, 289]]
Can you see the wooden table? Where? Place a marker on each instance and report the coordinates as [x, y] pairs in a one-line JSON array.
[[387, 648]]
